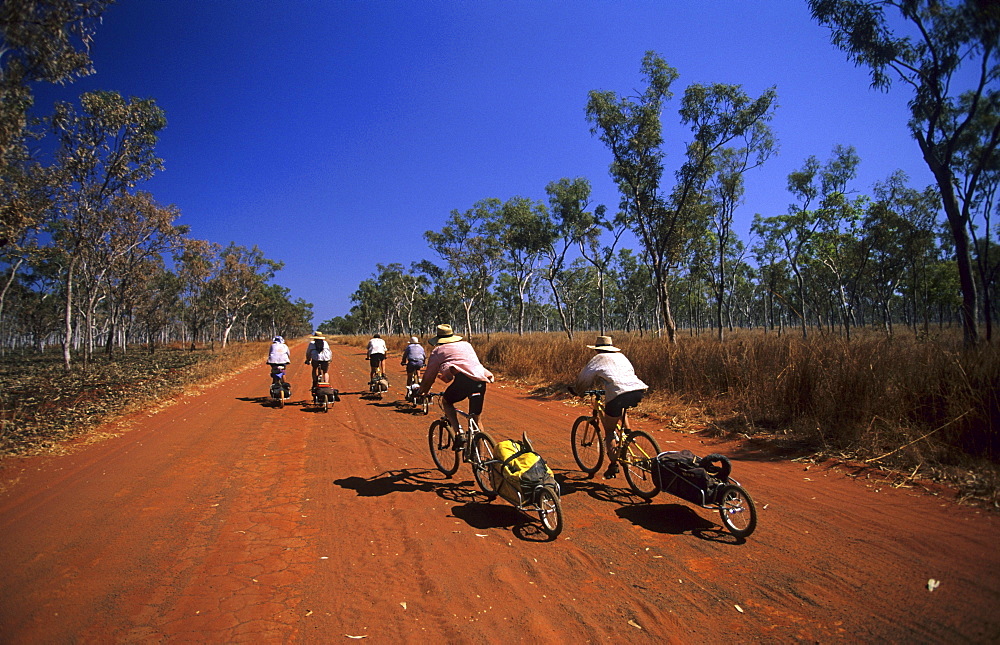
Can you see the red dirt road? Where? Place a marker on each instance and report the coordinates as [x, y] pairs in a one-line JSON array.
[[218, 519]]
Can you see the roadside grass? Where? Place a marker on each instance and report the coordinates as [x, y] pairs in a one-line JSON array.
[[922, 406], [42, 406]]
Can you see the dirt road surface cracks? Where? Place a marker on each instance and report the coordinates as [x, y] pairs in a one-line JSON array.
[[220, 519]]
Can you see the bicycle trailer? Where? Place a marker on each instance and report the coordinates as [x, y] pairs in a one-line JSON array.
[[694, 479], [519, 471]]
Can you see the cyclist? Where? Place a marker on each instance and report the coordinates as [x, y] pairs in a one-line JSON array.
[[279, 354], [622, 389], [278, 357], [455, 361], [318, 354], [376, 354], [413, 358]]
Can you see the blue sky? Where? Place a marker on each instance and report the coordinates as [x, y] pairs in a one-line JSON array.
[[332, 134]]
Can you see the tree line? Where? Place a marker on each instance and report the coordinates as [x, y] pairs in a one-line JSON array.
[[89, 260], [837, 259]]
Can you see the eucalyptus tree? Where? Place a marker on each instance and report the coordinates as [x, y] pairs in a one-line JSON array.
[[631, 129], [159, 307], [140, 232], [526, 231], [600, 254], [898, 230], [633, 279], [39, 42], [237, 283], [717, 115], [196, 261], [105, 150], [794, 232], [726, 189], [569, 200], [469, 245], [956, 124]]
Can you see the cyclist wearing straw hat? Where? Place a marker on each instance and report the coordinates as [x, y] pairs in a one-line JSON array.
[[622, 389], [455, 362]]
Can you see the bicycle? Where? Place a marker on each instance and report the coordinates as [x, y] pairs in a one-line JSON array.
[[635, 450], [280, 388], [378, 384], [473, 446], [323, 396]]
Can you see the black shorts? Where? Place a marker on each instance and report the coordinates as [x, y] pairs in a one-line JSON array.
[[376, 359], [321, 365], [464, 387], [617, 405]]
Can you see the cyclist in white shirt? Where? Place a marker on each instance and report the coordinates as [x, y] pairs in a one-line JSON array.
[[622, 389], [376, 354]]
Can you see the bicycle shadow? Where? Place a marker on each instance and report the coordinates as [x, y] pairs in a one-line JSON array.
[[676, 519], [268, 402], [392, 481], [484, 516], [599, 489]]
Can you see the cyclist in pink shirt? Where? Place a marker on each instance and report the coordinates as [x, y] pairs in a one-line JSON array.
[[454, 361]]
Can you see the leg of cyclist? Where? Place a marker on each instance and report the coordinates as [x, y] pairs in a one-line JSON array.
[[610, 448], [614, 411]]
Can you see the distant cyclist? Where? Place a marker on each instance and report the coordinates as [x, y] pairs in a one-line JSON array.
[[622, 389], [376, 354], [279, 354], [318, 354], [413, 358], [455, 362], [278, 357]]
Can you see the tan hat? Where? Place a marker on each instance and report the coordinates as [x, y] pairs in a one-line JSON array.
[[603, 344], [317, 335], [413, 340], [445, 335]]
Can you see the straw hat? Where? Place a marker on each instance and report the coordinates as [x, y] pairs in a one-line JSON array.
[[445, 335], [317, 335], [603, 344], [413, 340]]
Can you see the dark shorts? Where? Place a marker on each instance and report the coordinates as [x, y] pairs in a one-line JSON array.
[[464, 387], [376, 359], [321, 365], [413, 368], [617, 405]]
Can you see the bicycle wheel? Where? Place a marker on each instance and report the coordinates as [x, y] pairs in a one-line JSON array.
[[638, 458], [483, 459], [326, 403], [588, 446], [425, 405], [549, 511], [441, 439], [739, 515]]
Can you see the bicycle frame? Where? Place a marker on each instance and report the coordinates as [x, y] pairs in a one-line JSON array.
[[634, 450], [621, 428]]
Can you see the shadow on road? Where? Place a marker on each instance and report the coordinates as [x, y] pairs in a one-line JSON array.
[[675, 519], [393, 481]]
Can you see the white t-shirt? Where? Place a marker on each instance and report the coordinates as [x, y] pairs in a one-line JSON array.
[[376, 346]]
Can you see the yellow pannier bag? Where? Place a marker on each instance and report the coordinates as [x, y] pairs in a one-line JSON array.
[[521, 470]]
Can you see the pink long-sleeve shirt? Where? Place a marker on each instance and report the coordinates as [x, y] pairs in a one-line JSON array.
[[450, 359]]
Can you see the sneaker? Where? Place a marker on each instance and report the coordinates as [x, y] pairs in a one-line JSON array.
[[459, 441], [611, 472]]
